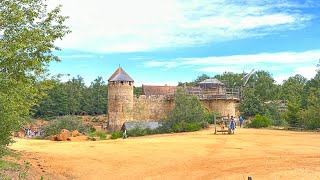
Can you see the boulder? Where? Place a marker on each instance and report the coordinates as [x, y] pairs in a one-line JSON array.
[[63, 136], [75, 133]]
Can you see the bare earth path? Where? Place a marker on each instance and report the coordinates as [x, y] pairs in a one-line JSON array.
[[261, 154]]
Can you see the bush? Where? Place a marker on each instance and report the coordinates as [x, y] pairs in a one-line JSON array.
[[209, 117], [116, 135], [260, 122], [70, 123], [186, 127], [204, 124], [92, 129], [100, 134], [139, 132]]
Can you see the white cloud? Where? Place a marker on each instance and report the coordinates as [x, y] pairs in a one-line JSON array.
[[308, 71], [280, 58], [143, 25], [281, 64]]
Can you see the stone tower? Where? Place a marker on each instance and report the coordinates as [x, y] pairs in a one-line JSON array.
[[120, 98]]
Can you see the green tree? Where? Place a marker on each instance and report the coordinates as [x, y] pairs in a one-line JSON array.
[[251, 104], [55, 103], [230, 79], [310, 117], [99, 96], [187, 108], [265, 86], [292, 89], [27, 35], [137, 91]]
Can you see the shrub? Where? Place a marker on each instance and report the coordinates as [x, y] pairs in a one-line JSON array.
[[186, 127], [209, 117], [70, 123], [204, 124], [116, 135], [139, 132], [100, 134], [92, 129], [259, 122]]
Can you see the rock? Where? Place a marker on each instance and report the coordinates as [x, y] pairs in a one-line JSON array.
[[63, 136], [75, 133], [95, 139]]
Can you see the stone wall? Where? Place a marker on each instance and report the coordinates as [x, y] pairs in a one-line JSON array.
[[222, 106], [151, 108], [123, 106]]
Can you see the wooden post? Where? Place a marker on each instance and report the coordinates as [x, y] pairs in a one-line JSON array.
[[215, 124], [229, 130]]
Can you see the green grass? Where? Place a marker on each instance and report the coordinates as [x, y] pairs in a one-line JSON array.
[[8, 165], [102, 135]]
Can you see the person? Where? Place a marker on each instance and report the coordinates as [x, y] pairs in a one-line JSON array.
[[240, 121], [124, 131], [221, 125], [232, 125]]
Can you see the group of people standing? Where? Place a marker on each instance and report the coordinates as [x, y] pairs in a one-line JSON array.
[[30, 133]]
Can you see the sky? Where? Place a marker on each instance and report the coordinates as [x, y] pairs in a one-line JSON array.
[[164, 42]]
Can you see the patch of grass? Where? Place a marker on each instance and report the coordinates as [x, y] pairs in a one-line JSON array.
[[8, 165], [116, 135], [4, 151], [100, 134]]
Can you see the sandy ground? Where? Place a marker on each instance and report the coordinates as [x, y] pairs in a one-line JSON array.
[[261, 154]]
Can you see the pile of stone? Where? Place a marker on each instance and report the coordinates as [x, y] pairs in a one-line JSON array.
[[65, 135]]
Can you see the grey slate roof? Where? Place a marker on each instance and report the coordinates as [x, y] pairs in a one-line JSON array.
[[120, 75], [142, 125]]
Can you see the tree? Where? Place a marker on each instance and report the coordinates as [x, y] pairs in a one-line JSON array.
[[309, 117], [265, 86], [230, 79], [99, 96], [292, 89], [251, 105], [187, 108], [27, 35]]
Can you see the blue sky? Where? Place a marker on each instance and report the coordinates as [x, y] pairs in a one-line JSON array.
[[163, 42]]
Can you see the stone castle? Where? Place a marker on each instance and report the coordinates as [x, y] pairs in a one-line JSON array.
[[156, 102]]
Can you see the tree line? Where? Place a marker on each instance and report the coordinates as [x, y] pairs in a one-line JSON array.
[[295, 102], [73, 98]]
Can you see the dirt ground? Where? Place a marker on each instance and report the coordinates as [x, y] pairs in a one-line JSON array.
[[261, 154]]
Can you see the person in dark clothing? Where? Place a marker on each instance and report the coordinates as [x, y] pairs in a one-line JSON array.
[[124, 131]]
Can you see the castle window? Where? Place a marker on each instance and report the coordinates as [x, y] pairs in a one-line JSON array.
[[122, 82], [130, 83], [122, 108], [113, 83]]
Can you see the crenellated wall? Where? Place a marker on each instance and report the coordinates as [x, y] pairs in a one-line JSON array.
[[151, 108], [156, 108]]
